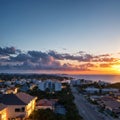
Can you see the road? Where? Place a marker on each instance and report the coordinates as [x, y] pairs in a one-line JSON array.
[[85, 109]]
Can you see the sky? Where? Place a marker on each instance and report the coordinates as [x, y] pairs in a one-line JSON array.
[[60, 36]]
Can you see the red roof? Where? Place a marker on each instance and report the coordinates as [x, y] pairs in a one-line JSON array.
[[45, 102], [26, 98]]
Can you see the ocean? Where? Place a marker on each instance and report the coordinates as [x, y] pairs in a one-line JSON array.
[[106, 78]]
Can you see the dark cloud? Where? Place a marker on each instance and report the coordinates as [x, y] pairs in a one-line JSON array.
[[83, 57], [81, 52], [104, 65], [87, 66], [7, 50], [37, 54], [38, 60], [20, 57], [104, 58], [56, 55]]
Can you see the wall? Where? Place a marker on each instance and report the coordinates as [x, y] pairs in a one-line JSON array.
[[12, 113], [3, 114]]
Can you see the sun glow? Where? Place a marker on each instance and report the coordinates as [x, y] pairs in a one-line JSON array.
[[116, 67]]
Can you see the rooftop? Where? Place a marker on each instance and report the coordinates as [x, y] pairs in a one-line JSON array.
[[45, 102], [26, 98], [2, 106], [16, 99]]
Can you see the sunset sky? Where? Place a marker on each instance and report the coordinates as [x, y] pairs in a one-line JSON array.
[[60, 36]]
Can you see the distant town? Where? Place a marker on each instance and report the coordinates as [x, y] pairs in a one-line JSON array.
[[55, 97]]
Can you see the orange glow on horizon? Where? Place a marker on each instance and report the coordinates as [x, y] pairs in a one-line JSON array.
[[92, 72], [102, 72]]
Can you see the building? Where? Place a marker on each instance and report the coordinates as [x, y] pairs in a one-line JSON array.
[[110, 104], [50, 86], [60, 109], [19, 105], [13, 90], [45, 104], [95, 98], [110, 90], [117, 95], [3, 112], [92, 90], [103, 83], [81, 82]]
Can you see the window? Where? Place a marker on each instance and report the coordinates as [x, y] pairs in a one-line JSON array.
[[20, 109], [23, 109], [11, 118], [17, 109]]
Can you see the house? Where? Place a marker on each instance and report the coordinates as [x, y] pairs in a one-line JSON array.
[[103, 83], [1, 83], [110, 90], [110, 104], [24, 88], [60, 109], [3, 90], [95, 98], [32, 86], [13, 90], [8, 83], [92, 90], [117, 95], [81, 82], [19, 105], [20, 82], [3, 112], [45, 104], [50, 85]]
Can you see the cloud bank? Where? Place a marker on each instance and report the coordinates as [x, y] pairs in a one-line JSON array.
[[14, 59]]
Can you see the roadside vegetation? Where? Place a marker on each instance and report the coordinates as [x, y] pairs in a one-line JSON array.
[[64, 97]]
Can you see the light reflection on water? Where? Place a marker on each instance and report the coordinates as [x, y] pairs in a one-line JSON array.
[[106, 78]]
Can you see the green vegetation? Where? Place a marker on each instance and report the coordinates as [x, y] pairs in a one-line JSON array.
[[114, 85], [7, 77], [65, 98], [43, 115]]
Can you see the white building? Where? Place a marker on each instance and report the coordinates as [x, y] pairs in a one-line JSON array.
[[102, 83], [50, 85], [107, 90], [92, 90], [81, 82]]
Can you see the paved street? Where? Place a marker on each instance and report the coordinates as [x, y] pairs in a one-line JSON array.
[[85, 109]]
